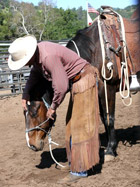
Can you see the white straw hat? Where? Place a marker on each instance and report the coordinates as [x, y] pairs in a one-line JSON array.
[[21, 51]]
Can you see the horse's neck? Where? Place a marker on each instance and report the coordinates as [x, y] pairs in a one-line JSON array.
[[131, 26]]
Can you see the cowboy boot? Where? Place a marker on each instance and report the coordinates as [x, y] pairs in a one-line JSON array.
[[70, 179], [66, 168]]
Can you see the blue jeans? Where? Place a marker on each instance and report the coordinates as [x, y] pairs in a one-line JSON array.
[[82, 173]]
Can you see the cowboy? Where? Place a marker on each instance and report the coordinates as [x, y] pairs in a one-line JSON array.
[[64, 67]]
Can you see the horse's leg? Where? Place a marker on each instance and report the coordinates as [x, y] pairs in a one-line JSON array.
[[109, 124], [112, 141], [102, 115]]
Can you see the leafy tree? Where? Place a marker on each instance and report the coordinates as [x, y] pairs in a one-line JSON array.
[[63, 25], [81, 16], [23, 17], [6, 32], [4, 4], [45, 14], [29, 19]]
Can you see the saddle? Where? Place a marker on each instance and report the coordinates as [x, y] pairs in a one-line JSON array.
[[113, 39], [116, 33]]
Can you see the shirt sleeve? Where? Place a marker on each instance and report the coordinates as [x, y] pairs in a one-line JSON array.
[[31, 82], [60, 82]]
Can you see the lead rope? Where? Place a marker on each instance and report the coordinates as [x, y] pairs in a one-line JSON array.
[[50, 139], [50, 147]]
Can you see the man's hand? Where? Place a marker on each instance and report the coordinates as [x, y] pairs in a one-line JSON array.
[[24, 102], [51, 114]]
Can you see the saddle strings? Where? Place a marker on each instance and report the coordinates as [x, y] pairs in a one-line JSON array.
[[124, 68]]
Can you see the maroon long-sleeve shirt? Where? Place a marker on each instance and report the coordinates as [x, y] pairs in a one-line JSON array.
[[59, 65]]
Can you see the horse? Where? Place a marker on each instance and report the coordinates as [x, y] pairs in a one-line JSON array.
[[37, 124], [87, 44], [87, 41]]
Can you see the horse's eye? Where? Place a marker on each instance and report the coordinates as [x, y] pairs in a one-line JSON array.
[[34, 114]]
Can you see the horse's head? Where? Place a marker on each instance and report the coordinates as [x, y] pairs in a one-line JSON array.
[[37, 125]]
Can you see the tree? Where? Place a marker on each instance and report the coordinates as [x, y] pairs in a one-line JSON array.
[[82, 16], [29, 19], [63, 25], [23, 15], [45, 21], [6, 32], [4, 4], [45, 14]]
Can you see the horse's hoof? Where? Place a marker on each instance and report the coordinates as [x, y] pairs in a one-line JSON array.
[[108, 158]]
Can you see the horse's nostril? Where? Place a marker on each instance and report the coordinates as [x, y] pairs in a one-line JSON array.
[[37, 147], [33, 147]]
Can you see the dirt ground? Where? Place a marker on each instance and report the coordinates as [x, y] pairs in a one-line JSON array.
[[21, 167]]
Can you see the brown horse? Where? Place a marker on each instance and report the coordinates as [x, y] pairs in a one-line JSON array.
[[87, 41], [37, 125]]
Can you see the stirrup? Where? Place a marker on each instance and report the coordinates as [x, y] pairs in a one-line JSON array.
[[134, 85]]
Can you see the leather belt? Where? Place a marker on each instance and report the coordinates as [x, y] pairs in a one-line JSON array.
[[78, 75]]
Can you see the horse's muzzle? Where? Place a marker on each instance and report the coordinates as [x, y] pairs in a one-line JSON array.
[[37, 147]]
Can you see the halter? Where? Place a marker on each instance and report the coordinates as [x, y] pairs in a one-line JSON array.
[[38, 127]]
